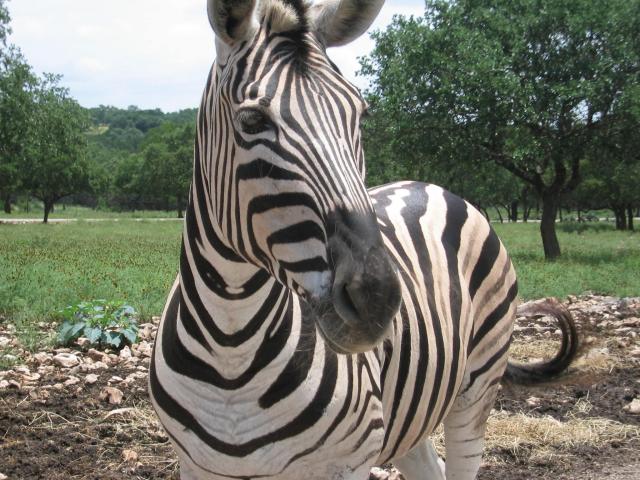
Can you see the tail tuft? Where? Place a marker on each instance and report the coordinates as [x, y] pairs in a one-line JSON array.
[[546, 370]]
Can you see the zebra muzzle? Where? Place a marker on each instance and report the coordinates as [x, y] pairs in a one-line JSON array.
[[364, 298]]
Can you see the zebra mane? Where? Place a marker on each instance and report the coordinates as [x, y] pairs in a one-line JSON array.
[[285, 16], [288, 18]]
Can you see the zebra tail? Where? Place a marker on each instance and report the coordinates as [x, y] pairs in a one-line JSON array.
[[543, 371]]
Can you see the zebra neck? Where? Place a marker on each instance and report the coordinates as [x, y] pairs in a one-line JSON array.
[[227, 304]]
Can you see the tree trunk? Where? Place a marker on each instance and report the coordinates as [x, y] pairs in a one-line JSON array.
[[621, 218], [550, 244], [499, 214], [514, 212], [48, 208], [629, 217], [7, 203]]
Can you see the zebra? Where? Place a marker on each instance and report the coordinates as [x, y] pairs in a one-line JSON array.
[[317, 329]]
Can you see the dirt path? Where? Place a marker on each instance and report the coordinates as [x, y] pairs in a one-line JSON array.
[[21, 221]]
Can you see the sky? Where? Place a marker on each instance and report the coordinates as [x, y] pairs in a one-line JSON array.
[[148, 53]]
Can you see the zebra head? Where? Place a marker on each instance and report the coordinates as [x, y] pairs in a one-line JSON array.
[[287, 169]]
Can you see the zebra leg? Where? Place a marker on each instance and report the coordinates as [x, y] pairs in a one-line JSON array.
[[421, 463], [464, 430]]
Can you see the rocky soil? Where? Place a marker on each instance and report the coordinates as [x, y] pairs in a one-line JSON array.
[[84, 414]]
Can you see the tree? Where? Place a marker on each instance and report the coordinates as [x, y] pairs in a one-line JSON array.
[[17, 84], [56, 165], [526, 85], [168, 163], [5, 30], [612, 168]]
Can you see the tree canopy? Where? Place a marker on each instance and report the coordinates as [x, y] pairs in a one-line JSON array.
[[17, 87], [56, 162], [524, 85]]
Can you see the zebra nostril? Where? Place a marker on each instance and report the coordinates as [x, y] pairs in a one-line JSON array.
[[344, 305]]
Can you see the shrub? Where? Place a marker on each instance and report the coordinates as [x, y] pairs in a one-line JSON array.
[[103, 323]]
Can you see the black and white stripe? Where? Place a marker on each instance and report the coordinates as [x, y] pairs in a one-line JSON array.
[[288, 259]]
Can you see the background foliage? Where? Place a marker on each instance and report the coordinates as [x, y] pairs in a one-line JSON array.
[[529, 109], [544, 90]]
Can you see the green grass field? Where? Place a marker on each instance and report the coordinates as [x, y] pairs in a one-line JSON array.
[[74, 211], [595, 258], [43, 268]]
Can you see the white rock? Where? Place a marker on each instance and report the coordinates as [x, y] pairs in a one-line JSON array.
[[42, 357], [112, 395], [98, 356], [129, 455], [631, 322], [14, 384], [40, 394], [145, 348], [633, 407], [125, 353], [31, 377], [66, 360], [91, 378], [71, 381], [533, 401]]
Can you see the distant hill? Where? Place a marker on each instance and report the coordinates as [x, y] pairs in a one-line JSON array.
[[124, 129]]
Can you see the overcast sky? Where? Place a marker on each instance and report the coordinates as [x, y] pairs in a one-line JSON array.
[[149, 53]]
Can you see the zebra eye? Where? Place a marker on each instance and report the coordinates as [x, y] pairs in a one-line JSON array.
[[252, 120]]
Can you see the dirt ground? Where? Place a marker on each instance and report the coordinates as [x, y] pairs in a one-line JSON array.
[[83, 414]]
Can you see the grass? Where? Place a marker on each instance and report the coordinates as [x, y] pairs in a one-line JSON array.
[[595, 258], [43, 268], [74, 211], [541, 439]]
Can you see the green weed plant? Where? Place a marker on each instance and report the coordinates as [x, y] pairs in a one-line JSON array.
[[104, 323]]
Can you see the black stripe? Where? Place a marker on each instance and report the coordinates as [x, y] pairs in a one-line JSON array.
[[486, 261], [494, 317], [451, 238]]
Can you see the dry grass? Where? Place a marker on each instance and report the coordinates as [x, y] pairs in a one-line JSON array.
[[533, 350], [540, 439], [597, 359]]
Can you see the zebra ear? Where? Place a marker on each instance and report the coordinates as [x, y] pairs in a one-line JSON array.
[[232, 20], [339, 22]]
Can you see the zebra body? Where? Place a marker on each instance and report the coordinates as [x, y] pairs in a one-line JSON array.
[[317, 329], [386, 400]]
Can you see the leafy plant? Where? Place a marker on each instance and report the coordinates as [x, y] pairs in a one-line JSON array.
[[102, 322]]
